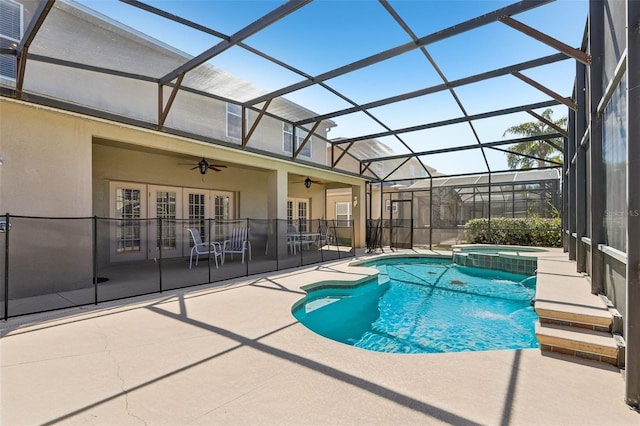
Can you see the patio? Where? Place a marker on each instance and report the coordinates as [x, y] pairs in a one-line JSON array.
[[119, 122], [116, 281], [199, 356]]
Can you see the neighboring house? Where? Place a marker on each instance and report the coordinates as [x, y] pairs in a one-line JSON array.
[[395, 170], [340, 201]]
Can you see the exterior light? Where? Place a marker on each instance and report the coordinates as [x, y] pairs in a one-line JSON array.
[[307, 183], [203, 166]]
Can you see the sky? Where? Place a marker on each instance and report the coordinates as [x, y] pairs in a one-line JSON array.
[[327, 34]]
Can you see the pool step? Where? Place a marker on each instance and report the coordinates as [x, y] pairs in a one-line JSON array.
[[573, 320], [595, 317], [581, 342]]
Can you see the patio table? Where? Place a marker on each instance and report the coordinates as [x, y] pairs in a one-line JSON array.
[[300, 238]]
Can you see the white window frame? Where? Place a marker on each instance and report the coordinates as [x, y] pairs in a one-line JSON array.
[[294, 205], [208, 212], [387, 206], [235, 114], [124, 255], [348, 214], [148, 210], [10, 41], [287, 130], [176, 227]]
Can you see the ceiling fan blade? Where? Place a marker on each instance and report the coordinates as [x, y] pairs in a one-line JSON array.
[[193, 168]]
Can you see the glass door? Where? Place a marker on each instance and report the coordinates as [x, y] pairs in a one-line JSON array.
[[129, 230], [223, 210], [195, 214], [165, 231], [297, 213], [201, 205]]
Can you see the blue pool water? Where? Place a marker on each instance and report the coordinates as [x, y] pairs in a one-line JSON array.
[[424, 305]]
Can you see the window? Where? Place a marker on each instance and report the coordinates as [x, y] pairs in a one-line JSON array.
[[221, 211], [287, 138], [234, 121], [297, 210], [221, 207], [287, 141], [387, 206], [10, 35], [196, 212], [166, 210], [202, 205], [290, 213], [302, 216], [128, 211], [343, 213]]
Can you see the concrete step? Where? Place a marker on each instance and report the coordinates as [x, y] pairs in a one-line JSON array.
[[594, 317], [581, 342]]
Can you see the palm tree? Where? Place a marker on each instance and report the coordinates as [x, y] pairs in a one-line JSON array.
[[538, 151]]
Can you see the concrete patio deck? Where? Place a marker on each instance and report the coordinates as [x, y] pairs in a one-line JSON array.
[[232, 353]]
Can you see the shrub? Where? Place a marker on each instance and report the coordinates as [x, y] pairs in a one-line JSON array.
[[532, 231]]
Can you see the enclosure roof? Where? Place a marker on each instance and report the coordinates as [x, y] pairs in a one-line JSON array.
[[437, 82]]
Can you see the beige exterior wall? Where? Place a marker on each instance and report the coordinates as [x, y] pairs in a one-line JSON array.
[[60, 151], [341, 195], [59, 164], [47, 162], [191, 113], [46, 172], [138, 99]]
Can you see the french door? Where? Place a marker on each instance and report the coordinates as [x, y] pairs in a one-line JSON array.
[[129, 232], [200, 205], [176, 208], [298, 213], [167, 231]]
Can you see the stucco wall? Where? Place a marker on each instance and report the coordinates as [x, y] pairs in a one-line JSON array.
[[130, 165], [132, 52], [342, 195], [59, 164], [47, 167], [46, 172]]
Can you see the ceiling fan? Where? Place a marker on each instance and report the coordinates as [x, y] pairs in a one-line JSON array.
[[308, 181], [203, 165]]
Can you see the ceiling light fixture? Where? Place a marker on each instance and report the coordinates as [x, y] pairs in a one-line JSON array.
[[203, 165]]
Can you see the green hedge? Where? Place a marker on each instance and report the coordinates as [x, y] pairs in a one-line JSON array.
[[532, 231]]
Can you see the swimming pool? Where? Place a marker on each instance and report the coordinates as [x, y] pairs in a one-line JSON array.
[[425, 305]]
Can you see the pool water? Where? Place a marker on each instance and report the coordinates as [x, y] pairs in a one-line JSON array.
[[423, 305]]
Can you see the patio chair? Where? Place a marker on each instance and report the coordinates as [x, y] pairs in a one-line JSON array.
[[204, 248], [237, 243], [323, 235], [293, 239]]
